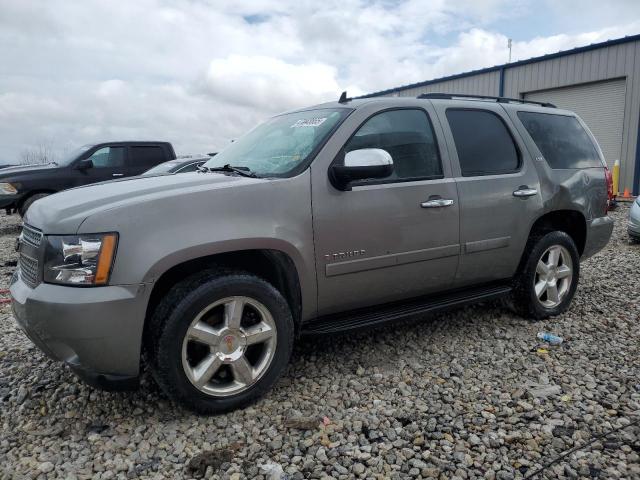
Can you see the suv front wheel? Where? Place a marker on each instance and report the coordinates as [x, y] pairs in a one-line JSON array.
[[220, 341], [549, 277]]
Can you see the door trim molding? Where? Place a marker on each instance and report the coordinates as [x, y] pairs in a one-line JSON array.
[[391, 260], [488, 244]]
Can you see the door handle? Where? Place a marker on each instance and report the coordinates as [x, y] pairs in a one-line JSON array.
[[525, 192], [437, 203], [118, 175]]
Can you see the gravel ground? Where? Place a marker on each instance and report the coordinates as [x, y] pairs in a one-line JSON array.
[[466, 394]]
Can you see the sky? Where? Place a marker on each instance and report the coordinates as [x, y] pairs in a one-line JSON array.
[[200, 73]]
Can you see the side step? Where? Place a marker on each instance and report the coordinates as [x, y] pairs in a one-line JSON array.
[[381, 314]]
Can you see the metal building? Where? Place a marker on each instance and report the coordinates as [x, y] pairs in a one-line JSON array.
[[600, 82]]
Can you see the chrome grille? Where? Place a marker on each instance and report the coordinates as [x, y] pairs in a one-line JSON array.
[[28, 270], [31, 236]]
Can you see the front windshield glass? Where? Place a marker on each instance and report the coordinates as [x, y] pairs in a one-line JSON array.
[[67, 158], [281, 144], [162, 168]]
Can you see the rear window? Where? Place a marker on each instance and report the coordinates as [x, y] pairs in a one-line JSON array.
[[483, 143], [562, 140], [146, 156]]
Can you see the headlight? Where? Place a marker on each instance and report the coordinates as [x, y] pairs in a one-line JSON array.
[[8, 189], [83, 260]]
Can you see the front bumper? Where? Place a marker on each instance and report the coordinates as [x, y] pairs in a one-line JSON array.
[[96, 331], [9, 200], [598, 234]]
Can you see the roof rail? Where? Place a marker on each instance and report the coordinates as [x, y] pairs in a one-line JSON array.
[[451, 96]]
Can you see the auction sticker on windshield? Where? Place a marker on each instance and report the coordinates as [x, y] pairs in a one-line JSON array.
[[309, 122]]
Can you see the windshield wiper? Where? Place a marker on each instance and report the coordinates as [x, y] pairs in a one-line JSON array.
[[243, 171]]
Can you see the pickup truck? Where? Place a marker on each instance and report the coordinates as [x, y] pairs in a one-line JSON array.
[[20, 186]]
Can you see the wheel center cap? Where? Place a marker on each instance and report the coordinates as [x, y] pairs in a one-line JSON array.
[[232, 345]]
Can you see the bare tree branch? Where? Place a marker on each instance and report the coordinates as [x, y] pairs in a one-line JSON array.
[[38, 155]]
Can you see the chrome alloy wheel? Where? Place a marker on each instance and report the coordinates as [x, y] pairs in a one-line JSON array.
[[554, 274], [229, 346]]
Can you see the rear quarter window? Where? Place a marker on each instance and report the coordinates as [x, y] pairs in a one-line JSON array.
[[561, 139]]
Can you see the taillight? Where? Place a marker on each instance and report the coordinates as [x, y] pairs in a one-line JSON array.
[[609, 179]]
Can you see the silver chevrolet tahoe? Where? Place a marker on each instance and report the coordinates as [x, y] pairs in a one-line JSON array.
[[331, 218]]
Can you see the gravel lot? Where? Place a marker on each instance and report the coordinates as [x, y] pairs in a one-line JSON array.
[[461, 395]]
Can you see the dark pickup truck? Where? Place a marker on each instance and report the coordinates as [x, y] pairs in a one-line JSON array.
[[20, 186]]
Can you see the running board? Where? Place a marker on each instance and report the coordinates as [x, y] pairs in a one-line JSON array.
[[381, 314]]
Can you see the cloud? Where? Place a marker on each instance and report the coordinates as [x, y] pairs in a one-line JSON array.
[[269, 83], [200, 73]]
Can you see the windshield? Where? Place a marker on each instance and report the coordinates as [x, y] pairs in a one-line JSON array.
[[281, 144], [72, 155], [162, 168]]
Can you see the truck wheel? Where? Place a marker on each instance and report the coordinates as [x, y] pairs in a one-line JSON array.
[[549, 278], [22, 209], [220, 341]]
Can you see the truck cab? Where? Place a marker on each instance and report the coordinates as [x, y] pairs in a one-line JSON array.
[[20, 186]]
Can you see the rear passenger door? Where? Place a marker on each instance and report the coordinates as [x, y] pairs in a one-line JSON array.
[[143, 157], [498, 189]]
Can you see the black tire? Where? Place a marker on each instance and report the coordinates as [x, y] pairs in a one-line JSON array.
[[525, 300], [22, 209], [173, 316]]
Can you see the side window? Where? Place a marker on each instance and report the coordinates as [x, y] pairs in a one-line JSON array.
[[484, 145], [407, 135], [108, 157], [561, 140], [146, 156]]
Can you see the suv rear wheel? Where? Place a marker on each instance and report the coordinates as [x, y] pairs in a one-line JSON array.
[[220, 341], [549, 279]]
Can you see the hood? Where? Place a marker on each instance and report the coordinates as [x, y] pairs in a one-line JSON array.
[[18, 169], [64, 212]]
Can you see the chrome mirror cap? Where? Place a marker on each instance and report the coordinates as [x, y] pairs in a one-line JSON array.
[[367, 157]]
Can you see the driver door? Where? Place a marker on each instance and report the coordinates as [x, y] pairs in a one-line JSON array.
[[108, 163], [387, 239]]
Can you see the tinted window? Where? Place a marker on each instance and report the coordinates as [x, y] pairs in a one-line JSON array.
[[146, 156], [561, 140], [484, 145], [407, 135], [108, 157]]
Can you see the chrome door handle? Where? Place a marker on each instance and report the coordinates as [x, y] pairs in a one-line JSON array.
[[437, 203], [118, 175], [525, 192]]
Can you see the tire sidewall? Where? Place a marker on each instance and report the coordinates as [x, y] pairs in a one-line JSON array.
[[169, 350], [548, 240]]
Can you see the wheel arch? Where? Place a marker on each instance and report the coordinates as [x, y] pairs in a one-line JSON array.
[[572, 222], [273, 266], [31, 193]]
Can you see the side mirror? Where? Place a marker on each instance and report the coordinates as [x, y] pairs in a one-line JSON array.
[[359, 165], [84, 165]]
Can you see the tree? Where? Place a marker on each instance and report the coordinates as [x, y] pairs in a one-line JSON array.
[[40, 154]]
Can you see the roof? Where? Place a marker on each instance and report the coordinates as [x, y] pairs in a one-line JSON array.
[[549, 56]]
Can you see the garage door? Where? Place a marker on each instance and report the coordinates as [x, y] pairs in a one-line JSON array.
[[600, 105]]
